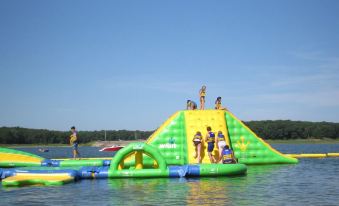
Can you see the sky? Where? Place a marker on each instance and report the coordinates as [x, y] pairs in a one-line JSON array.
[[131, 64]]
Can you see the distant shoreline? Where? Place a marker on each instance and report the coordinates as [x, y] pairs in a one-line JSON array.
[[304, 141], [91, 144], [126, 142]]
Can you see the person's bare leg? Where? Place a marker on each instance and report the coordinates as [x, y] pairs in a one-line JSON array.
[[202, 103], [214, 160], [220, 158], [198, 152], [211, 157], [78, 154]]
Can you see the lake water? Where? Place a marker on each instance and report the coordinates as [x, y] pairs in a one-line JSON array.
[[311, 182]]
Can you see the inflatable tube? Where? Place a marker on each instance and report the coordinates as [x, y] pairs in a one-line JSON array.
[[68, 163], [207, 170], [40, 177], [333, 154], [72, 163], [307, 155]]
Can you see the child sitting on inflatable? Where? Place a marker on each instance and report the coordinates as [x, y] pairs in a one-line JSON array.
[[197, 141], [218, 104], [191, 105], [227, 156]]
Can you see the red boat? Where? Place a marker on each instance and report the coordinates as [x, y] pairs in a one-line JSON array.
[[111, 149]]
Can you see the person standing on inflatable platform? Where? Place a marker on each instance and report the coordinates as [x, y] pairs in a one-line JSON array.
[[74, 142], [202, 94], [210, 139]]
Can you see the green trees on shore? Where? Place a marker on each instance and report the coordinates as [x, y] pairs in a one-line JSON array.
[[18, 135], [280, 129], [286, 129]]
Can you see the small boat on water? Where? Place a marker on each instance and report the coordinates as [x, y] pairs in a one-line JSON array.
[[43, 150], [113, 148]]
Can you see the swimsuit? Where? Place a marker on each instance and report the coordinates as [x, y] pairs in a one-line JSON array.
[[221, 141], [197, 140], [202, 94], [217, 105]]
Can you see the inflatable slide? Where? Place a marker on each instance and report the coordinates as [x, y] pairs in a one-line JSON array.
[[174, 138]]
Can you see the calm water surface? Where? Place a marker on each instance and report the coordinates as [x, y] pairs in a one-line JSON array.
[[311, 182]]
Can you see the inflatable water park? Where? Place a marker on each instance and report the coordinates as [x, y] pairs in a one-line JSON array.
[[167, 153]]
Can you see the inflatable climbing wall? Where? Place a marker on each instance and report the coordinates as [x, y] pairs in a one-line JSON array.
[[174, 139]]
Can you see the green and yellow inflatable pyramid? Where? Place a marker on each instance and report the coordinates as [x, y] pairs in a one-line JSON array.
[[174, 138]]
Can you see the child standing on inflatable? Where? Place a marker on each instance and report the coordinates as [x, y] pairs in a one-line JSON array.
[[218, 104], [197, 141], [74, 141], [221, 142], [228, 156], [202, 94], [210, 139], [191, 105]]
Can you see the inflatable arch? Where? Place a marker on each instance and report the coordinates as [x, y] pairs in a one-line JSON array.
[[117, 168]]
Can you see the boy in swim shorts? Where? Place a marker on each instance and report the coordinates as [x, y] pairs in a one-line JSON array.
[[210, 139], [74, 141]]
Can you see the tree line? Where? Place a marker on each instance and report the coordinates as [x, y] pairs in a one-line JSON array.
[[287, 129], [18, 135], [279, 129]]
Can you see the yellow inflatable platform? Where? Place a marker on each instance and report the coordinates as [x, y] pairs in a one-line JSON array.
[[23, 179]]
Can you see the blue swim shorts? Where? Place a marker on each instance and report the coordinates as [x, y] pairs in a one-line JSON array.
[[210, 147], [75, 146]]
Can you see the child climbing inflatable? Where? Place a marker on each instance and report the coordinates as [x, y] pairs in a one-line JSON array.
[[197, 141], [210, 139], [227, 155]]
